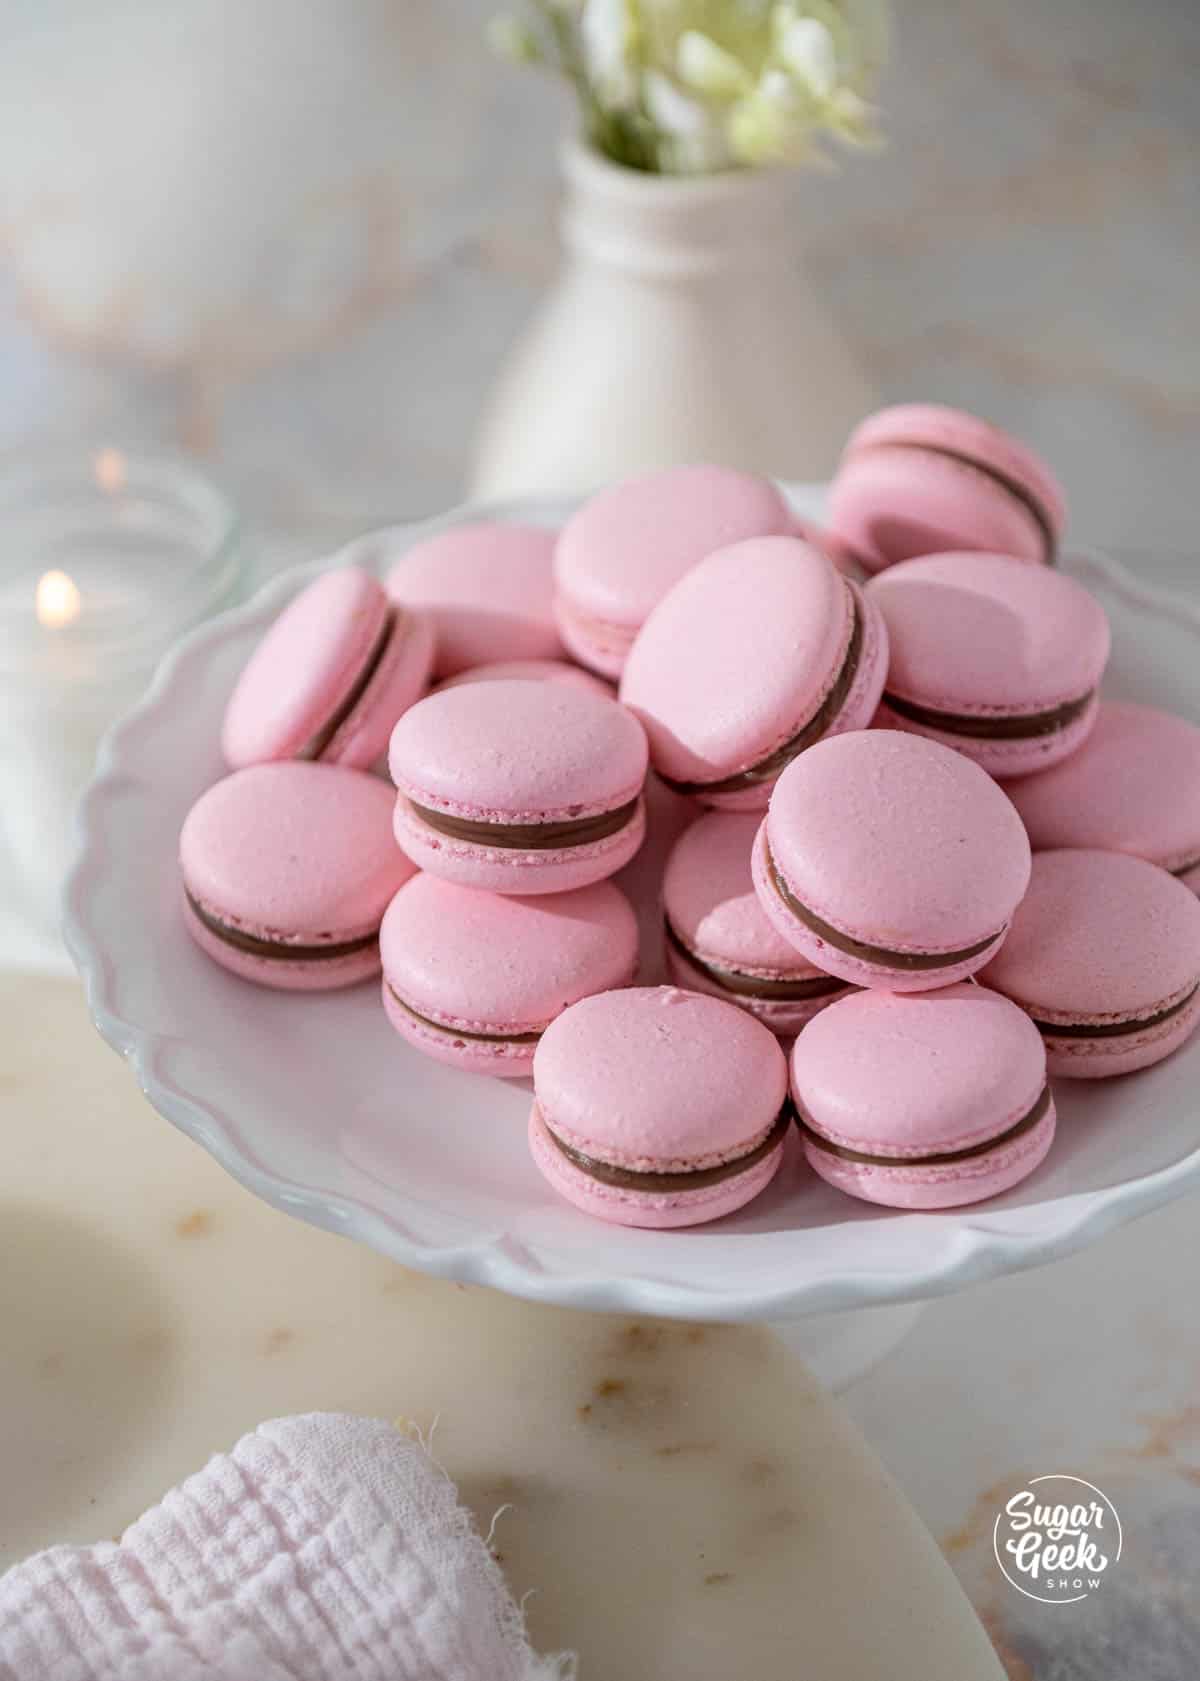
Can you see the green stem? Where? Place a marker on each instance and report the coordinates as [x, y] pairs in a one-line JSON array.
[[624, 136]]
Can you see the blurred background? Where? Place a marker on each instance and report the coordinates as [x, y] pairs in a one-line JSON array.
[[297, 239]]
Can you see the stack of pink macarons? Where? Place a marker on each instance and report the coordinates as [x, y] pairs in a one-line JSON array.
[[926, 855]]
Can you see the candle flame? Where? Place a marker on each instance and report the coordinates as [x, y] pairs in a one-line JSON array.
[[108, 469], [57, 600]]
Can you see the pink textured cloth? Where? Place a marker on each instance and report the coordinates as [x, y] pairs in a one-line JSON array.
[[322, 1548]]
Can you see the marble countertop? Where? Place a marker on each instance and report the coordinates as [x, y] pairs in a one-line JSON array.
[[321, 335], [684, 1500]]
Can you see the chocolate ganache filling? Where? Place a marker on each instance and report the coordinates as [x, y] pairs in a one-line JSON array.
[[460, 1032], [693, 1179], [528, 837], [939, 1158], [913, 961], [317, 744], [281, 950], [1014, 727], [756, 986], [1013, 486], [1112, 1029]]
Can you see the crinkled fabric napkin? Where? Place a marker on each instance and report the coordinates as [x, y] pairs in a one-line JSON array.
[[322, 1548]]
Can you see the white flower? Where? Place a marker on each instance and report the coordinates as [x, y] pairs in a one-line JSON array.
[[695, 85], [669, 108], [691, 139], [807, 49], [770, 126], [608, 34], [776, 89], [707, 67]]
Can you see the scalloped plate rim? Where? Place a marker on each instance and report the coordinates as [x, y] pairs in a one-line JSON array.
[[969, 1252]]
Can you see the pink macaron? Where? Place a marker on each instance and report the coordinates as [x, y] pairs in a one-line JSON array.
[[655, 1107], [923, 1100], [891, 861], [287, 871], [923, 479], [330, 678], [1133, 787], [487, 588], [532, 671], [519, 787], [473, 979], [1104, 954], [623, 550], [757, 653], [994, 657], [718, 937]]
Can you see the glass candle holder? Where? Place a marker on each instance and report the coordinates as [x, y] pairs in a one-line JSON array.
[[105, 559]]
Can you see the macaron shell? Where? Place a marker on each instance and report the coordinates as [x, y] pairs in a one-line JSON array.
[[734, 659], [305, 667], [931, 1187], [326, 975], [399, 681], [937, 426], [487, 587], [511, 964], [518, 752], [917, 478], [857, 971], [655, 1079], [620, 553], [898, 843], [510, 870], [710, 902], [984, 636], [1082, 1059], [863, 698], [914, 1075], [1134, 787], [895, 504], [503, 1060], [1102, 937], [595, 643], [784, 1017], [296, 851], [652, 1210], [531, 671], [983, 633], [709, 899], [1003, 759], [857, 712]]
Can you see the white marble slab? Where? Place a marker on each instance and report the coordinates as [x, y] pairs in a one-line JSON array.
[[684, 1500]]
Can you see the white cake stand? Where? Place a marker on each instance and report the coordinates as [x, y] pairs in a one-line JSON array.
[[315, 1104]]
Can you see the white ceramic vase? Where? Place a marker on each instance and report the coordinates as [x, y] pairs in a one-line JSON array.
[[681, 328]]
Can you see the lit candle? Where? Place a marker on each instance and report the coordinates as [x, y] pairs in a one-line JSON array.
[[56, 600], [104, 562]]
